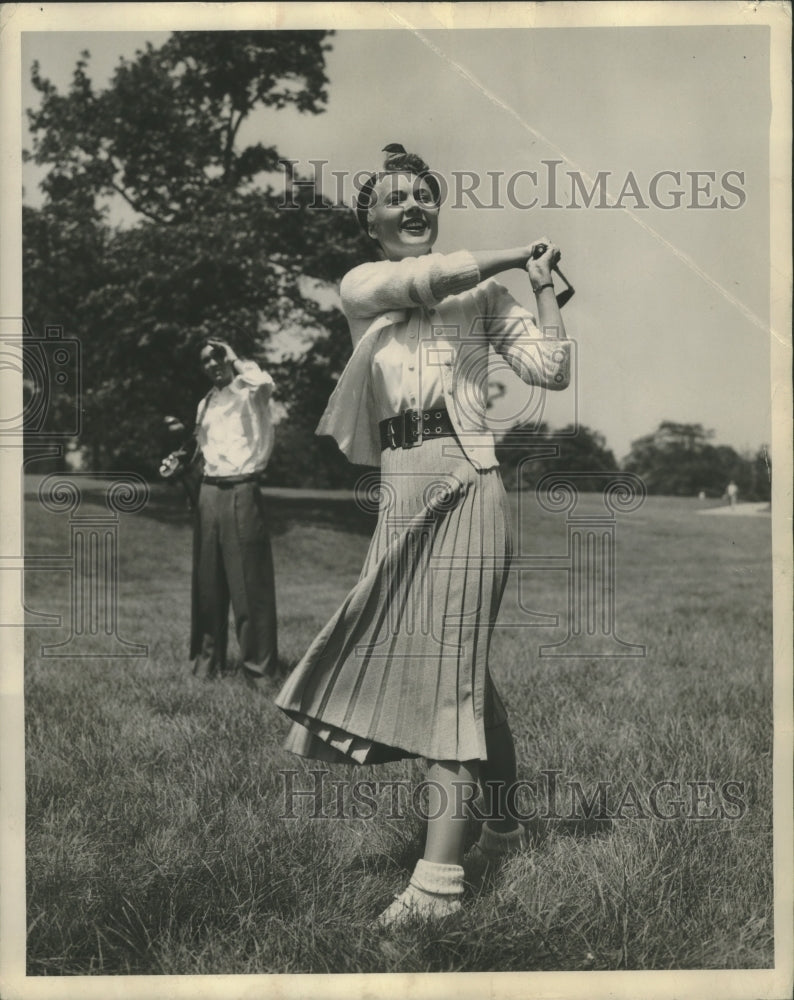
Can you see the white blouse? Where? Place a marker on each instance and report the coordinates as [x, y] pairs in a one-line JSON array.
[[407, 364], [425, 321], [235, 428]]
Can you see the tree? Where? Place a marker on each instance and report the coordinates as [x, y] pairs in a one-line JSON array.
[[674, 459], [64, 256], [679, 460], [213, 249], [164, 134], [571, 449], [760, 466], [301, 459]]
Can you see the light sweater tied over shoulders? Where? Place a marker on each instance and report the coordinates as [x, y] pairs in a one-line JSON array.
[[445, 292]]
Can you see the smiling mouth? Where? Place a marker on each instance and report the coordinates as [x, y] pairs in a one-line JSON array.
[[415, 226]]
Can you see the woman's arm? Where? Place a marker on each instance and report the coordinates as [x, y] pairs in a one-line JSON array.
[[540, 275], [492, 262], [543, 360], [370, 289]]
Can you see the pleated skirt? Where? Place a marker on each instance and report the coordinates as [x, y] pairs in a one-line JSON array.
[[401, 669]]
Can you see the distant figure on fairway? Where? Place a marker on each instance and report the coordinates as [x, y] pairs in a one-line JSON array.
[[231, 552], [401, 670], [732, 493]]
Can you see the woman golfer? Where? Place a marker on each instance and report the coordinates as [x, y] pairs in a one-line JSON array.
[[401, 670]]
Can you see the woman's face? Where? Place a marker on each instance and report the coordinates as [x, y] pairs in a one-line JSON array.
[[403, 217]]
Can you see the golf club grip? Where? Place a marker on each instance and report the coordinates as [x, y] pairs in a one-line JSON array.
[[567, 293]]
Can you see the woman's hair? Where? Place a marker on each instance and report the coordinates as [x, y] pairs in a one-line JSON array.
[[397, 161]]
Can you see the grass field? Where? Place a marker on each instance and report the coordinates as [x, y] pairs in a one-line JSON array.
[[155, 843]]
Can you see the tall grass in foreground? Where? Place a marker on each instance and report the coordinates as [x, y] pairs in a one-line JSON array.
[[154, 837]]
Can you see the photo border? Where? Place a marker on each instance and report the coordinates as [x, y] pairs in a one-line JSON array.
[[728, 984]]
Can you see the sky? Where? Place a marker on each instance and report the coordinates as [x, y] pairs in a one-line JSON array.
[[670, 315]]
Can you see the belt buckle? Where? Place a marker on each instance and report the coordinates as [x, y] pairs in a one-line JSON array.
[[412, 428]]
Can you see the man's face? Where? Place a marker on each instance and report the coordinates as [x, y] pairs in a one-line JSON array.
[[215, 366]]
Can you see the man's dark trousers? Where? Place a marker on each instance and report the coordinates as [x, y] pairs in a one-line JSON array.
[[232, 558]]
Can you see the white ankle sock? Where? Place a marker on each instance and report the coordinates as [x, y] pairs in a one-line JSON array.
[[493, 843], [444, 880], [434, 892]]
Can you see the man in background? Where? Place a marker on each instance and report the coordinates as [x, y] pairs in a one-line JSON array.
[[232, 558]]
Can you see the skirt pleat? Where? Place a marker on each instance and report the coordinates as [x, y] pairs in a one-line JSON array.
[[401, 669]]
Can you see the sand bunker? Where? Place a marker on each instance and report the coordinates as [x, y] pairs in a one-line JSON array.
[[753, 509]]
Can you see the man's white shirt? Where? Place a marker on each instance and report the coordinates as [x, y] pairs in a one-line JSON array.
[[235, 427]]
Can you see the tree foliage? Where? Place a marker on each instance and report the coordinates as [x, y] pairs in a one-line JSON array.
[[164, 134], [528, 457], [679, 460], [302, 459], [212, 250]]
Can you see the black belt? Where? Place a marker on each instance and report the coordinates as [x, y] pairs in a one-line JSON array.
[[251, 477], [412, 427]]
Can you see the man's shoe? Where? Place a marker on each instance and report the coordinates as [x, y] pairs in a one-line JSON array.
[[257, 682]]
